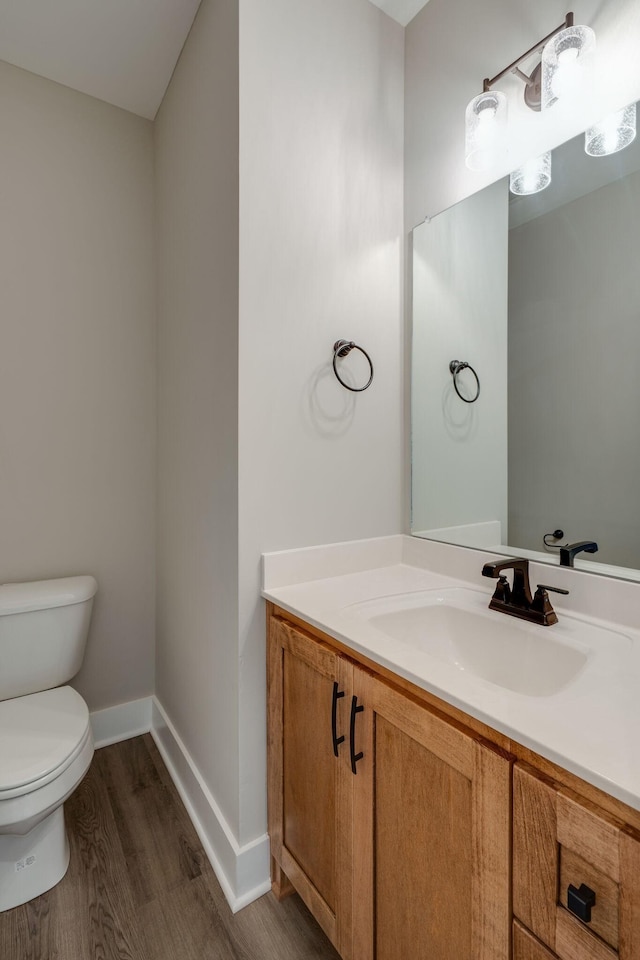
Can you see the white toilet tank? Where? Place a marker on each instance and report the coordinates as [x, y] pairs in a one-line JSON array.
[[43, 633]]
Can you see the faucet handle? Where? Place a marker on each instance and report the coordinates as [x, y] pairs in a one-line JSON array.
[[503, 590], [542, 605], [544, 586]]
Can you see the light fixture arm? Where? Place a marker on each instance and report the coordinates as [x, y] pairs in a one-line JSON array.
[[523, 76], [514, 67]]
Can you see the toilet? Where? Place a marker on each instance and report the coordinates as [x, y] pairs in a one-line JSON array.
[[46, 744]]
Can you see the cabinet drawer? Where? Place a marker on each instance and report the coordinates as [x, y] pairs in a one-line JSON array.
[[576, 873]]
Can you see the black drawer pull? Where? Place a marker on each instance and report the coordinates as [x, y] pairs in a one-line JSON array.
[[337, 694], [352, 734], [580, 901]]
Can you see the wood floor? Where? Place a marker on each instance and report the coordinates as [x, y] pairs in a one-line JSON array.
[[139, 886]]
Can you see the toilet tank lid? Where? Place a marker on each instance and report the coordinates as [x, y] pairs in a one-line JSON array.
[[44, 594]]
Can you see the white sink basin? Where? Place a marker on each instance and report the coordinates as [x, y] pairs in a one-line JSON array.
[[454, 625]]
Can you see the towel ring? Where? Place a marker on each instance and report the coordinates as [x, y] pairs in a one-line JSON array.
[[556, 535], [342, 348], [456, 367]]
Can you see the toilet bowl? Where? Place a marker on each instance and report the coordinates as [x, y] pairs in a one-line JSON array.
[[46, 744]]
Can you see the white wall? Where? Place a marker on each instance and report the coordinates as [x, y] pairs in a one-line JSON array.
[[197, 233], [259, 447], [459, 450], [77, 372], [320, 258], [452, 45]]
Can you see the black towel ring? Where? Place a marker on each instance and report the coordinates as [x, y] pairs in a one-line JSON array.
[[342, 348], [456, 367]]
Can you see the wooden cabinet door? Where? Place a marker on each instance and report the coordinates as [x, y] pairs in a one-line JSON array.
[[563, 842], [436, 803], [310, 792]]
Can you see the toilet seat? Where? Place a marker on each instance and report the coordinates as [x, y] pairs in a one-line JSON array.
[[32, 831], [41, 735]]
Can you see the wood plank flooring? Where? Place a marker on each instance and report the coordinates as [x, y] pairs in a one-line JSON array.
[[139, 886]]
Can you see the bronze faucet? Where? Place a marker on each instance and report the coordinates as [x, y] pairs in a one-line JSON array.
[[516, 600]]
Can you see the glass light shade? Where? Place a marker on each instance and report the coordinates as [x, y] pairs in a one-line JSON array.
[[613, 133], [532, 177], [566, 61], [485, 130]]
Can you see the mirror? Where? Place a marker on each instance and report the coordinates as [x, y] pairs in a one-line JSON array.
[[540, 295]]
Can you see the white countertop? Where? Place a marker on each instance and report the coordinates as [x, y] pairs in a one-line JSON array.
[[591, 726]]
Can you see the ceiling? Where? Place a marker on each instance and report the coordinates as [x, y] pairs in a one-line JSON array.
[[401, 10], [121, 51]]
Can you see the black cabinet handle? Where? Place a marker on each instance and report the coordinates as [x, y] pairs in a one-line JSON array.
[[580, 901], [352, 734], [337, 694]]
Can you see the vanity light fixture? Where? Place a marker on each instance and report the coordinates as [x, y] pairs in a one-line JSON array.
[[612, 134], [567, 49]]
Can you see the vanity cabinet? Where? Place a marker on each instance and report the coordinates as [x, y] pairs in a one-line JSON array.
[[576, 874], [413, 830], [391, 820]]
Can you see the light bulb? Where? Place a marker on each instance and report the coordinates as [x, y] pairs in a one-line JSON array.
[[567, 76], [566, 60]]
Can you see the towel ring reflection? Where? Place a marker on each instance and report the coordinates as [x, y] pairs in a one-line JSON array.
[[556, 535], [456, 367], [342, 348]]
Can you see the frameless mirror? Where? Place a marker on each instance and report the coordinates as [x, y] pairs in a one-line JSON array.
[[540, 296]]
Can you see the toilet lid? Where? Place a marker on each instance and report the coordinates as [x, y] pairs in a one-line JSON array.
[[39, 735]]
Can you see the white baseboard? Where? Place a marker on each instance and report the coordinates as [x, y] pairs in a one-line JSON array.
[[243, 871], [121, 722]]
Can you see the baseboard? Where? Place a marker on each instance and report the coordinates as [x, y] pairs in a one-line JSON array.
[[121, 722], [242, 871]]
